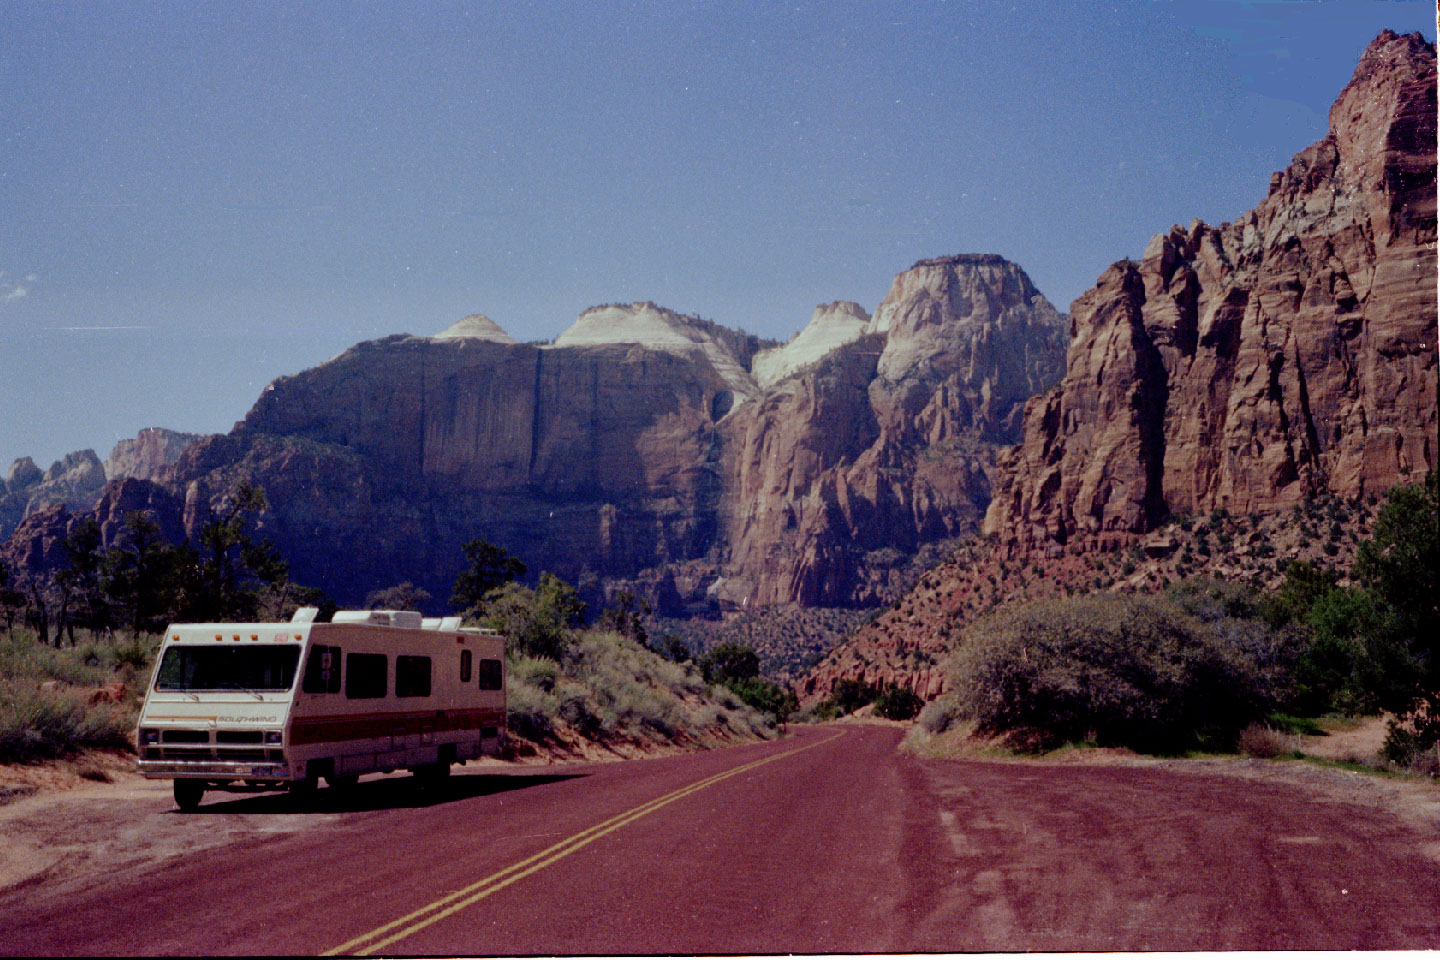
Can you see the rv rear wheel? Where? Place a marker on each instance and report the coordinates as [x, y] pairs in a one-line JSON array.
[[343, 782], [188, 794]]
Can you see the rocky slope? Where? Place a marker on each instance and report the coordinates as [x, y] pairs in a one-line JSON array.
[[1282, 361]]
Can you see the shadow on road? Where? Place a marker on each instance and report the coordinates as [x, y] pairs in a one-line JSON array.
[[387, 794]]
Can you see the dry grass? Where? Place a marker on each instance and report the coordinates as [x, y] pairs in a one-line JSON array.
[[1258, 740], [611, 691]]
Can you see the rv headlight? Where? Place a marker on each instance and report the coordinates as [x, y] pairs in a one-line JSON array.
[[272, 736], [149, 736]]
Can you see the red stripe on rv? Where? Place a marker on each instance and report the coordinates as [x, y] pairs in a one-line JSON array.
[[371, 725]]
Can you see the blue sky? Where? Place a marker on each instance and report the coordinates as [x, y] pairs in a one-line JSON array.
[[199, 198]]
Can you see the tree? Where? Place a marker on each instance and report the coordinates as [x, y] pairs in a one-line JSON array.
[[277, 602], [11, 599], [765, 696], [737, 668], [1400, 567], [672, 648], [626, 617], [144, 576], [402, 596], [83, 597], [232, 567], [537, 622], [730, 661], [1305, 583], [488, 568], [897, 703], [850, 695]]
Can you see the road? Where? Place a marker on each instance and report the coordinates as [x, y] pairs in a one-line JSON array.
[[825, 841]]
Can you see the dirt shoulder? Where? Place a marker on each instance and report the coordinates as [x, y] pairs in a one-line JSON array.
[[1413, 799]]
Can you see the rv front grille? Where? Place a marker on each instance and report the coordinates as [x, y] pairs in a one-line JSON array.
[[185, 736], [238, 736], [239, 754]]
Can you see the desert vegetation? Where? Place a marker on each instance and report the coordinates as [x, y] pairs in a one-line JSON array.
[[54, 702], [601, 683], [1219, 664]]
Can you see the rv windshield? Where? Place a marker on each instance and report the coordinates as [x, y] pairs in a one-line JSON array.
[[228, 668]]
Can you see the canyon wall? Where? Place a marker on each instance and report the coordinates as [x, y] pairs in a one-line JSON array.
[[1253, 365]]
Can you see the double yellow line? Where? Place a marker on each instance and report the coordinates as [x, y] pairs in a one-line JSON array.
[[417, 920]]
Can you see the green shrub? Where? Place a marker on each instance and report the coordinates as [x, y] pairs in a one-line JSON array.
[[528, 708], [534, 671], [769, 698], [850, 695], [137, 652], [897, 703], [23, 656], [537, 622], [1131, 671], [939, 715], [607, 686]]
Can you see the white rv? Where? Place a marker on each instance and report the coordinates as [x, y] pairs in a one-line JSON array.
[[268, 705]]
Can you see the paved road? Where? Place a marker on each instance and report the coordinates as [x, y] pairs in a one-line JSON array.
[[826, 841]]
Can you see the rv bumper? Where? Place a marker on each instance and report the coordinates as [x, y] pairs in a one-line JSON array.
[[211, 769]]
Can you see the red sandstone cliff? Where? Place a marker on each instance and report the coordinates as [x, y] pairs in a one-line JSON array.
[[888, 442], [1288, 358], [1289, 354]]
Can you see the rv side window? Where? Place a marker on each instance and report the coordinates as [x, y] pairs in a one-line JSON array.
[[322, 670], [464, 666], [490, 675], [412, 676], [365, 675]]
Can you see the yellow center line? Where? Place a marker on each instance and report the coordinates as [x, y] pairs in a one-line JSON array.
[[458, 900]]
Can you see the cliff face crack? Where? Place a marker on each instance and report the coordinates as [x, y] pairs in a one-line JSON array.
[[1307, 420], [537, 417]]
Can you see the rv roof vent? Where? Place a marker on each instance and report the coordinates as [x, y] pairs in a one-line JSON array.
[[408, 619], [305, 615], [449, 624]]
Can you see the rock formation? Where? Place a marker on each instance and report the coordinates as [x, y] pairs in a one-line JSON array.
[[75, 480], [641, 448], [143, 457], [1253, 365], [887, 442], [832, 326], [477, 326], [1279, 362]]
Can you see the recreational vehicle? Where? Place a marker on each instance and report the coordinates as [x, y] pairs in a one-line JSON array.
[[239, 706]]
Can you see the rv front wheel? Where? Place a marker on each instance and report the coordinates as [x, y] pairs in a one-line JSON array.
[[343, 782], [188, 794]]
